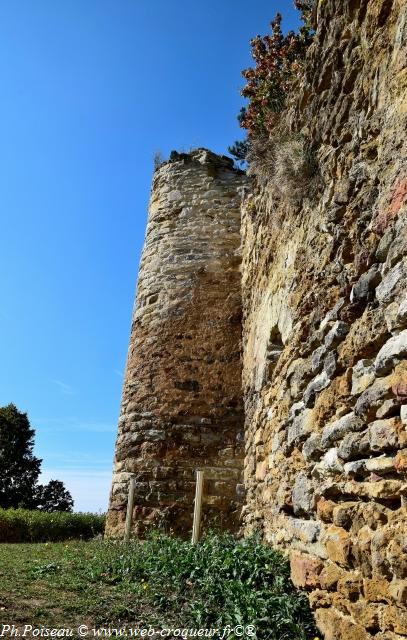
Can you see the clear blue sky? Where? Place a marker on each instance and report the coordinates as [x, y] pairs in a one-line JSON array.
[[89, 91]]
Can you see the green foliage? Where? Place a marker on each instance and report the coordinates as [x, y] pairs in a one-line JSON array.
[[54, 497], [20, 469], [239, 150], [220, 581], [278, 62], [24, 525]]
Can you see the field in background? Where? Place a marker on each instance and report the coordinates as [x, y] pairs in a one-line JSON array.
[[24, 525], [162, 581]]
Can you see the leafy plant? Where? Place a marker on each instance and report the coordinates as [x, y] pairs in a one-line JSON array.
[[278, 62], [218, 582]]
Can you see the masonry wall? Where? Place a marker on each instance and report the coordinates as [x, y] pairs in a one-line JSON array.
[[325, 332], [181, 406]]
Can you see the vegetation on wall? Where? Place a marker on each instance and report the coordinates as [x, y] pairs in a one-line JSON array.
[[279, 62], [272, 152]]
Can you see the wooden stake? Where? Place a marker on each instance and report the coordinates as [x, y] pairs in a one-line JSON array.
[[129, 514], [198, 506]]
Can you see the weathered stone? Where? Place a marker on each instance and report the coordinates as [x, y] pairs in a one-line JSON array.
[[362, 291], [311, 447], [381, 465], [385, 290], [363, 374], [376, 589], [384, 245], [400, 461], [336, 334], [355, 469], [343, 514], [300, 427], [182, 403], [398, 591], [386, 434], [370, 400], [305, 570], [332, 315], [336, 626], [303, 498], [391, 353], [317, 384], [305, 530], [388, 409], [354, 445], [339, 428], [329, 465], [330, 364], [338, 544], [317, 358], [396, 315]]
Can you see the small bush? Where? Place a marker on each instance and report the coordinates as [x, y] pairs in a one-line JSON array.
[[24, 525], [287, 163]]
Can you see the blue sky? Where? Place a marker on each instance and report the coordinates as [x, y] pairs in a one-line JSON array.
[[90, 90]]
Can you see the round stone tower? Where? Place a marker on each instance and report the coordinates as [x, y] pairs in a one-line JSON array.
[[181, 407]]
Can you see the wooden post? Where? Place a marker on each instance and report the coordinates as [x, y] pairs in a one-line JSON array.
[[198, 506], [129, 514]]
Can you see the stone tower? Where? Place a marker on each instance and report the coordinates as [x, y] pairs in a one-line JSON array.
[[181, 405]]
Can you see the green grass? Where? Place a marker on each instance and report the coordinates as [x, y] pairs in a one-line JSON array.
[[162, 581], [24, 525]]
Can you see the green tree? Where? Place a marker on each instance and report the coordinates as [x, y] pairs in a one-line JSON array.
[[20, 469], [54, 497]]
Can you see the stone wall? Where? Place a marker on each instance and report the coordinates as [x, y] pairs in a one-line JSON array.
[[181, 405], [325, 332]]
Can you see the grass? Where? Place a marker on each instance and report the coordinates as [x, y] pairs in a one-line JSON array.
[[161, 582]]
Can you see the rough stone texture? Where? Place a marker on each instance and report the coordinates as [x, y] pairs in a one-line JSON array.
[[324, 348], [327, 276], [181, 405]]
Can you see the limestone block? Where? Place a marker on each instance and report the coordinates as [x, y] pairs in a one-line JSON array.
[[370, 400], [396, 315], [388, 409], [329, 465], [381, 465], [391, 353], [340, 428], [363, 374], [390, 282], [335, 336], [311, 447], [355, 469], [317, 358], [300, 427], [305, 570], [386, 434], [332, 315], [320, 382], [398, 591], [354, 445], [303, 498], [338, 544], [362, 291]]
